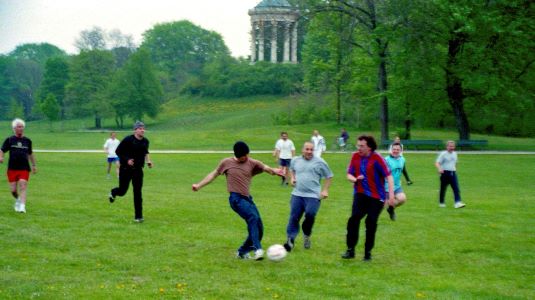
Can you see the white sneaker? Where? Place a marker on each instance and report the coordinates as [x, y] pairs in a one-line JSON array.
[[459, 204], [259, 254], [442, 205], [22, 208], [17, 205]]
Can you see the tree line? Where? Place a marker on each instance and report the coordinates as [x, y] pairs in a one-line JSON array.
[[391, 64]]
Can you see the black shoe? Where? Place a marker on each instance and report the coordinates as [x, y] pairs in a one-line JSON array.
[[367, 257], [349, 254], [289, 245], [391, 212], [111, 198], [409, 182]]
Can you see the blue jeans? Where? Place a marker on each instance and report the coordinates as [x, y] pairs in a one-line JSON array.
[[245, 208], [298, 206], [449, 178]]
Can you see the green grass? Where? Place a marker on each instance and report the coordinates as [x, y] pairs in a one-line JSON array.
[[73, 244], [215, 124]]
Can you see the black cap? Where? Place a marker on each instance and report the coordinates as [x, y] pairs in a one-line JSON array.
[[241, 149]]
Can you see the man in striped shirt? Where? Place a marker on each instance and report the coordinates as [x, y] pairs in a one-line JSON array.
[[367, 171]]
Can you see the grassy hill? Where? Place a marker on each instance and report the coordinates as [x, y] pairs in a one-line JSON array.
[[214, 124]]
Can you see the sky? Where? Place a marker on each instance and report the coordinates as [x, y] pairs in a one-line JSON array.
[[59, 22]]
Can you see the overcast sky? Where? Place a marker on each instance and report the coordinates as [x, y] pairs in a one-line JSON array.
[[59, 22]]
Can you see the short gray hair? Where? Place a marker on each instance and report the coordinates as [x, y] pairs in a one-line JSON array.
[[16, 122]]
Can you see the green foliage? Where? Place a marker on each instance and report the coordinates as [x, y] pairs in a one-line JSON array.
[[229, 78], [182, 49], [55, 79], [15, 110], [135, 89], [38, 53], [90, 75], [50, 108]]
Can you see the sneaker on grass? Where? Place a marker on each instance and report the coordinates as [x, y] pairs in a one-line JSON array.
[[459, 204], [306, 242], [259, 254]]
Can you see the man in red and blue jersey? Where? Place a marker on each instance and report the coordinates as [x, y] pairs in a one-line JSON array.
[[367, 171]]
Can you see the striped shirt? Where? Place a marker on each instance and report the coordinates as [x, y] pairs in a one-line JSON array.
[[374, 169]]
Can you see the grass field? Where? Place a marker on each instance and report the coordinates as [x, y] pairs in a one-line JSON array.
[[73, 244]]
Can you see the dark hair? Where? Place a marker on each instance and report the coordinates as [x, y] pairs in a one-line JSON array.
[[240, 149], [369, 140], [284, 132], [396, 144]]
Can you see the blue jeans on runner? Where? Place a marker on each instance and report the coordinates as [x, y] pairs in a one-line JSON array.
[[449, 178], [245, 208], [298, 206]]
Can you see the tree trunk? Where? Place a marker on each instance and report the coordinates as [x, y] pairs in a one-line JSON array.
[[407, 120], [382, 86], [454, 85], [98, 122]]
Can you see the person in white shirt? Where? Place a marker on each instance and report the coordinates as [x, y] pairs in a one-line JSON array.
[[319, 143], [446, 164], [110, 146], [283, 153]]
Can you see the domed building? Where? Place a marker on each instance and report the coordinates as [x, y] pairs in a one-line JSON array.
[[274, 32]]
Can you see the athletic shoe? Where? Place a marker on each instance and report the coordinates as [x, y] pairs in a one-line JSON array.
[[139, 220], [459, 204], [409, 182], [289, 245], [442, 205], [349, 254], [22, 208], [242, 255], [259, 254], [17, 205], [306, 241], [111, 198], [391, 212], [367, 257]]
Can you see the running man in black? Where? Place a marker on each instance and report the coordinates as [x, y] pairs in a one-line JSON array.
[[18, 169], [133, 152]]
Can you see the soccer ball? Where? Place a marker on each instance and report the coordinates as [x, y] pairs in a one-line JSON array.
[[276, 252]]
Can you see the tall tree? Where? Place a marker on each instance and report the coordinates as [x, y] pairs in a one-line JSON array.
[[54, 81], [90, 73], [38, 53], [91, 39], [370, 17], [136, 91], [181, 49]]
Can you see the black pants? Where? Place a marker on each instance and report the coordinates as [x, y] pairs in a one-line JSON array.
[[362, 206], [449, 178], [136, 176]]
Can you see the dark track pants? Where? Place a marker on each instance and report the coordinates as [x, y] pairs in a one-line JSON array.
[[136, 176], [362, 206]]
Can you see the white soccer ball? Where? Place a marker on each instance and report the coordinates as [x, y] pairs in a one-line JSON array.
[[276, 252]]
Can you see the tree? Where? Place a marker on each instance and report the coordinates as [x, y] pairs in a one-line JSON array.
[[54, 81], [135, 90], [370, 37], [90, 74], [38, 53], [25, 77], [181, 49], [91, 39], [50, 108]]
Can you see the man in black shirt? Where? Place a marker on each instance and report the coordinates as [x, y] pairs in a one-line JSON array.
[[133, 152], [18, 169]]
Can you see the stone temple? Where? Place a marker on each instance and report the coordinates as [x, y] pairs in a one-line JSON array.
[[274, 32]]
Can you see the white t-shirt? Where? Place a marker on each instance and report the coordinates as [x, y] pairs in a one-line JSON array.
[[285, 148], [319, 145], [111, 145], [447, 160]]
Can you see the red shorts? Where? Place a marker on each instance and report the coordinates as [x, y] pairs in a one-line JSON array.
[[16, 175]]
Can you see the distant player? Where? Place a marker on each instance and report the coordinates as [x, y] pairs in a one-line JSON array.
[[284, 151], [446, 164], [110, 146], [18, 169], [239, 171], [319, 143], [395, 163]]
